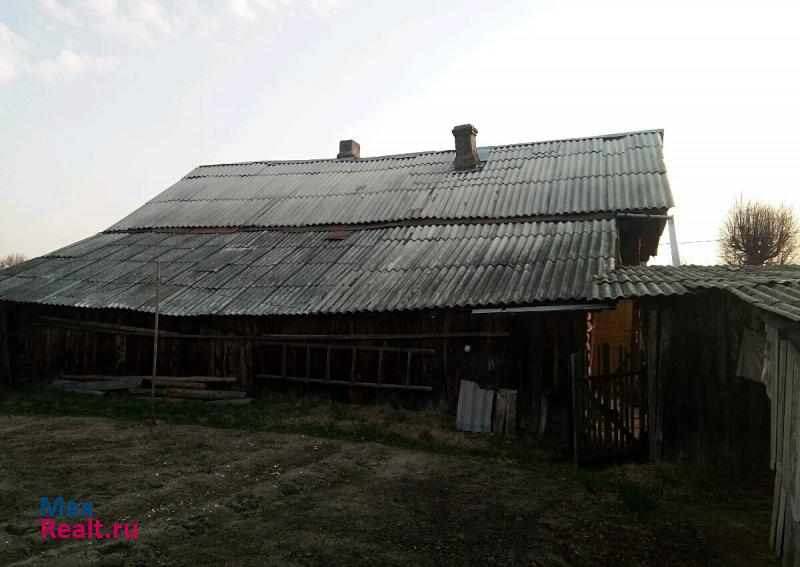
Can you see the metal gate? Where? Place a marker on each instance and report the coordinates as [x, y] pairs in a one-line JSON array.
[[609, 412]]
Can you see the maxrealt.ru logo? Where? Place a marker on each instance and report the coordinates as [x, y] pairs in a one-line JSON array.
[[86, 527]]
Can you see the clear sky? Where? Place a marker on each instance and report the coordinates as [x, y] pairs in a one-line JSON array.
[[104, 103]]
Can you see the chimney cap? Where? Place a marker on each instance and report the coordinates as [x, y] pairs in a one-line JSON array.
[[463, 129], [349, 149]]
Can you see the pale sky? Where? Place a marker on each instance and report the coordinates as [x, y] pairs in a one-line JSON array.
[[105, 103]]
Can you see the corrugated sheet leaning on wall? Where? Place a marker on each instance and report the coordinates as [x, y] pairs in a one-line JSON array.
[[474, 408]]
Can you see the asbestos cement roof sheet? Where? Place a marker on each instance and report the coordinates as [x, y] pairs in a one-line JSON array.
[[273, 272], [775, 289], [612, 173]]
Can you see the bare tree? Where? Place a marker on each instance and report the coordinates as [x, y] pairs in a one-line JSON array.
[[756, 233], [11, 260]]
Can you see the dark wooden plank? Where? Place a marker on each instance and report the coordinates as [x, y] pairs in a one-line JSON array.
[[164, 383], [113, 328], [146, 392], [511, 414], [665, 353], [500, 404], [380, 366], [327, 363], [120, 383], [577, 409], [353, 365], [5, 352], [204, 394], [385, 385], [90, 377], [100, 377]]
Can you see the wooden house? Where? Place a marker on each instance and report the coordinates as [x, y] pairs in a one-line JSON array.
[[367, 278]]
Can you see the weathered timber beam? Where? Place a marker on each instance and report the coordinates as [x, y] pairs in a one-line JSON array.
[[163, 379], [162, 383], [119, 383], [113, 328], [382, 386], [204, 394], [5, 353]]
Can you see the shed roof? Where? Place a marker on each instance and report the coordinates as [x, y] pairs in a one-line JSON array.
[[775, 289], [273, 272], [599, 174]]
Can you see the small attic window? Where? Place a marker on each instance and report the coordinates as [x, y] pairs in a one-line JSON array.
[[338, 234]]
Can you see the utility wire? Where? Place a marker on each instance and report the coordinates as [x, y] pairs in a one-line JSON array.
[[691, 242]]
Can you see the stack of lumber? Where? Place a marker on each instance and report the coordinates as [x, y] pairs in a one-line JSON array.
[[205, 388], [96, 384], [212, 389]]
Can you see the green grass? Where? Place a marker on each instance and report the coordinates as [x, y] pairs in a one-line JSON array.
[[430, 430], [635, 496]]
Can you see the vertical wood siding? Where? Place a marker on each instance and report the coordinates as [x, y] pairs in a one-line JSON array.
[[784, 393]]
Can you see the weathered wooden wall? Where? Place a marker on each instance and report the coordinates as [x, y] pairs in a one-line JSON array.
[[784, 392], [5, 353], [525, 352], [700, 410]]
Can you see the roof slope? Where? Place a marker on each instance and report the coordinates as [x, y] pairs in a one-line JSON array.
[[772, 288], [269, 272], [619, 172]]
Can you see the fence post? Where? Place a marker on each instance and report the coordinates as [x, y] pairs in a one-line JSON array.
[[577, 370]]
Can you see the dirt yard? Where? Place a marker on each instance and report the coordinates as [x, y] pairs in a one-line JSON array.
[[206, 496]]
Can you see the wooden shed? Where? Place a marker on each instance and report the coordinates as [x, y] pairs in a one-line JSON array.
[[723, 373]]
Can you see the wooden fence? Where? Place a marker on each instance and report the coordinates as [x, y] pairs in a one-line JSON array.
[[609, 412], [783, 385]]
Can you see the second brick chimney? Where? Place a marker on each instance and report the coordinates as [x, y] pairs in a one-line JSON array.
[[349, 149], [466, 151]]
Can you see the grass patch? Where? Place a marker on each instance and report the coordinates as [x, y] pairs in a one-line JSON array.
[[636, 497], [426, 429], [593, 481]]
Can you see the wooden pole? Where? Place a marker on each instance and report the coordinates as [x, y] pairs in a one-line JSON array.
[[155, 334], [577, 365]]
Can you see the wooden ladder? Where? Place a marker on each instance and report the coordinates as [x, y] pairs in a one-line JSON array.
[[354, 350]]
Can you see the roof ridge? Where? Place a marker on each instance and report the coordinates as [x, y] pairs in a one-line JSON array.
[[401, 223], [410, 155]]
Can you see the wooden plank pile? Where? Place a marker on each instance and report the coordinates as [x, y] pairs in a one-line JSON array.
[[96, 384], [205, 388], [212, 389]]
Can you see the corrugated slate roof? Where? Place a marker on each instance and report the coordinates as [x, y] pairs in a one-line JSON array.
[[618, 172], [271, 272], [773, 288]]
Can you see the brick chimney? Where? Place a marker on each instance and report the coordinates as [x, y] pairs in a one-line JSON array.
[[466, 152], [349, 149]]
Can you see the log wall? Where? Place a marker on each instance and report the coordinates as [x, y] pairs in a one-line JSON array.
[[525, 352]]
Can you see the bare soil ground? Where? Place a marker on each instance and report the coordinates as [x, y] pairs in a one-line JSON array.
[[208, 496]]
